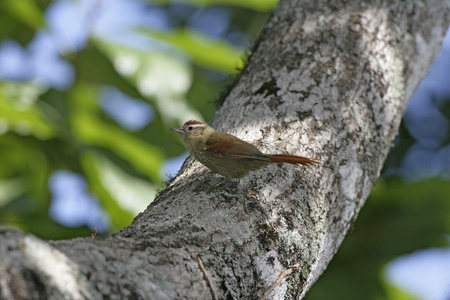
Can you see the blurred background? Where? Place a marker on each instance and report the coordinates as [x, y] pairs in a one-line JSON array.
[[89, 88]]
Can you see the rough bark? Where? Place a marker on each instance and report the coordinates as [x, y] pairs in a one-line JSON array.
[[328, 80]]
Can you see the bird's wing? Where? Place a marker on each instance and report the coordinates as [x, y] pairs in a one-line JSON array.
[[233, 147]]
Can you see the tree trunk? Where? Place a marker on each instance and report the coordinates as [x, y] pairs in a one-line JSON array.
[[327, 80]]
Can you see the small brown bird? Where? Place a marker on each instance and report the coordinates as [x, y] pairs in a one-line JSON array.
[[228, 155]]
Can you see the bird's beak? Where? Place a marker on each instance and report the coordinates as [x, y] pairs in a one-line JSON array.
[[179, 130]]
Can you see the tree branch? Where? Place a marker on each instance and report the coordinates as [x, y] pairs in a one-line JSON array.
[[327, 80]]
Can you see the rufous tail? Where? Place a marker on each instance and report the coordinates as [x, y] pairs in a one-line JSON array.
[[292, 159]]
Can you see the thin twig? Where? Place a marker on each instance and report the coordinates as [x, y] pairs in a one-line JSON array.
[[208, 280], [278, 280]]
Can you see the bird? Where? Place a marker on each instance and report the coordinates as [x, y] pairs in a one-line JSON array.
[[227, 154]]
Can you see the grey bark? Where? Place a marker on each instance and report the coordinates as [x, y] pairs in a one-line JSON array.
[[328, 80]]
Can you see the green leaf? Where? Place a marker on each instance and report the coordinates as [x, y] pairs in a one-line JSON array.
[[256, 5], [10, 189], [144, 157], [23, 118], [217, 55], [131, 193], [103, 71], [26, 11], [92, 169], [90, 129], [163, 78]]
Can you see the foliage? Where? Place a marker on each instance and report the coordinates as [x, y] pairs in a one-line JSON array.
[[46, 127]]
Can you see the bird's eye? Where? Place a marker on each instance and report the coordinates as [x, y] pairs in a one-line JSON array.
[[190, 128]]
